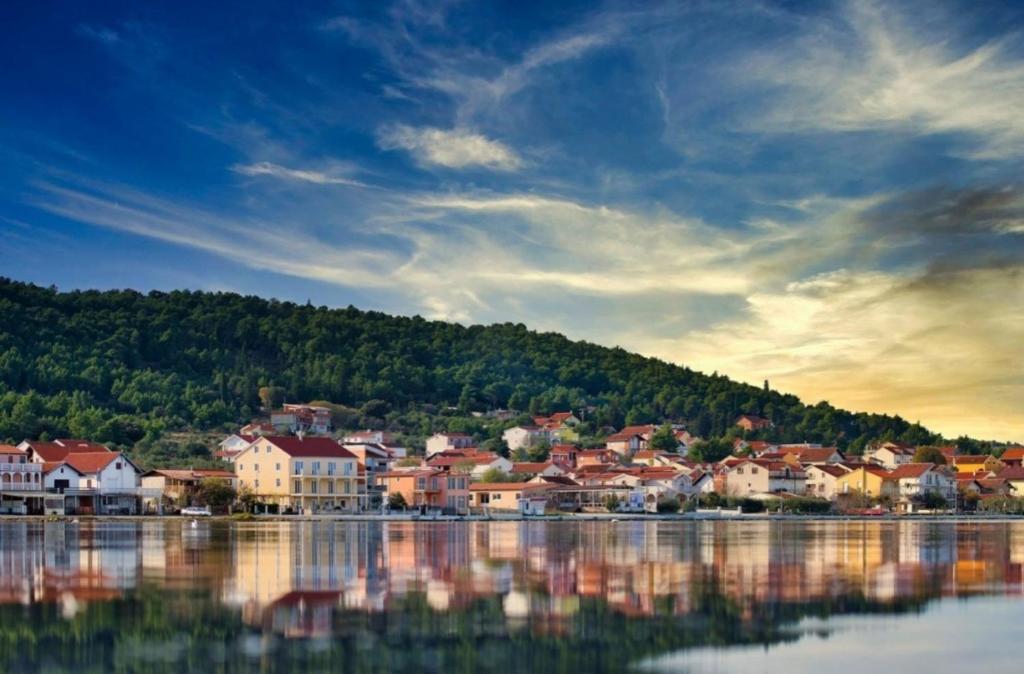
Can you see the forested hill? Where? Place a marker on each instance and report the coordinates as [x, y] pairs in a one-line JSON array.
[[120, 365]]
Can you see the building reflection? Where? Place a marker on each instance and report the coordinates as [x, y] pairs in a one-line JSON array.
[[300, 579]]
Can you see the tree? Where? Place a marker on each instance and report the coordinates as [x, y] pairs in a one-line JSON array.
[[493, 475], [396, 501], [216, 492], [246, 498], [539, 451], [611, 502], [272, 397], [929, 454], [664, 439]]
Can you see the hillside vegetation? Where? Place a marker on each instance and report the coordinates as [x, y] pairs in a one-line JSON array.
[[125, 368]]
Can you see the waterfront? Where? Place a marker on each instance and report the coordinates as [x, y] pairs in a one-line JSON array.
[[167, 595]]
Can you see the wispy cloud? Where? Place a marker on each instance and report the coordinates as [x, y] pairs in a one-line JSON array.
[[878, 68], [454, 148], [265, 168]]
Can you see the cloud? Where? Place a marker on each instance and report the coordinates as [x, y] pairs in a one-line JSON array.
[[876, 69], [940, 346], [265, 168], [454, 148]]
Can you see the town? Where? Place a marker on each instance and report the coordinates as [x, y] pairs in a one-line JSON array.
[[296, 464]]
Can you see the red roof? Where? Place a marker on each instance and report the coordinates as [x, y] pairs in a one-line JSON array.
[[294, 446], [531, 467], [1013, 454], [11, 449], [909, 470], [58, 449], [90, 462], [1012, 473]]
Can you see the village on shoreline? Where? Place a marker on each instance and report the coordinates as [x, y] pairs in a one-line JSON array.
[[294, 465]]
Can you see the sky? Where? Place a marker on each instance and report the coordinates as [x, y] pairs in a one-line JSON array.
[[825, 195]]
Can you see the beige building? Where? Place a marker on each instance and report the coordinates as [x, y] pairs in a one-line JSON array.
[[306, 474]]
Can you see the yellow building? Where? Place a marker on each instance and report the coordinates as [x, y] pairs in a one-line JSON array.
[[869, 481], [307, 474], [972, 464]]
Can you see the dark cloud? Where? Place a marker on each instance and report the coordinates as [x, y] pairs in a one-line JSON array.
[[945, 211]]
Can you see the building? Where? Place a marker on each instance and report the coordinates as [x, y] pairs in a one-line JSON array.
[[752, 422], [303, 474], [428, 488], [890, 454], [564, 455], [535, 468], [915, 480], [369, 437], [525, 437], [1012, 456], [93, 483], [232, 446], [302, 419], [747, 477], [472, 463], [631, 439], [823, 480], [21, 483], [971, 464], [505, 495], [869, 480], [167, 489], [812, 454], [443, 442], [375, 459], [560, 426], [40, 451]]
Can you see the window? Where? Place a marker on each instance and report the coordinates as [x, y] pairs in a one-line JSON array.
[[256, 483], [348, 487], [421, 483], [256, 467], [298, 487], [240, 466], [268, 449], [277, 482], [753, 471], [330, 487], [117, 466], [331, 466], [312, 488], [298, 468], [316, 468], [348, 468]]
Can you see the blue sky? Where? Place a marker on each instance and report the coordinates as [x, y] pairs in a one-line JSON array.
[[826, 195]]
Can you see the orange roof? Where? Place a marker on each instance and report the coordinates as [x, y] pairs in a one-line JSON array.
[[90, 462], [908, 470], [531, 466], [58, 449], [10, 449], [1013, 453]]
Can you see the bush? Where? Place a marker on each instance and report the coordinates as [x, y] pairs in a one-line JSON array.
[[396, 501], [1007, 505], [668, 504]]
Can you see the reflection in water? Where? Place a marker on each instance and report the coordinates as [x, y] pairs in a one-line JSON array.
[[564, 596]]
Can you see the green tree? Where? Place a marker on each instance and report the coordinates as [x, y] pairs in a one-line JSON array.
[[216, 493], [396, 501], [664, 439], [929, 454]]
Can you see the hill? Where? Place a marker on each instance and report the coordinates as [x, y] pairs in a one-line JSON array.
[[125, 367]]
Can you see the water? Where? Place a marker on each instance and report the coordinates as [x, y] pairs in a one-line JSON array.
[[166, 596]]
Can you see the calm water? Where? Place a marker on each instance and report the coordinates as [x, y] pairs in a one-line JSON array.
[[163, 596]]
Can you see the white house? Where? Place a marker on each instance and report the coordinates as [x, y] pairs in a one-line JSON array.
[[917, 479], [101, 483], [524, 437], [443, 442]]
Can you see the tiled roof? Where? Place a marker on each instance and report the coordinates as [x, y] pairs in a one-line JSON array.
[[91, 462], [911, 470], [508, 486], [305, 447]]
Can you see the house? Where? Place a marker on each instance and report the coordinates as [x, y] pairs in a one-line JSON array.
[[302, 419], [428, 488], [564, 455], [1013, 456], [93, 483], [915, 480], [890, 454], [755, 447], [594, 457], [39, 451], [232, 446], [257, 428], [442, 442], [970, 464], [810, 455], [869, 480], [752, 422], [375, 459], [560, 426], [166, 488], [368, 436], [305, 474], [757, 476], [823, 480], [505, 495], [650, 457], [474, 463], [533, 469], [525, 437], [1014, 476], [21, 483]]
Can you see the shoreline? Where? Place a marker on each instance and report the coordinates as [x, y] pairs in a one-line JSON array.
[[515, 517]]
